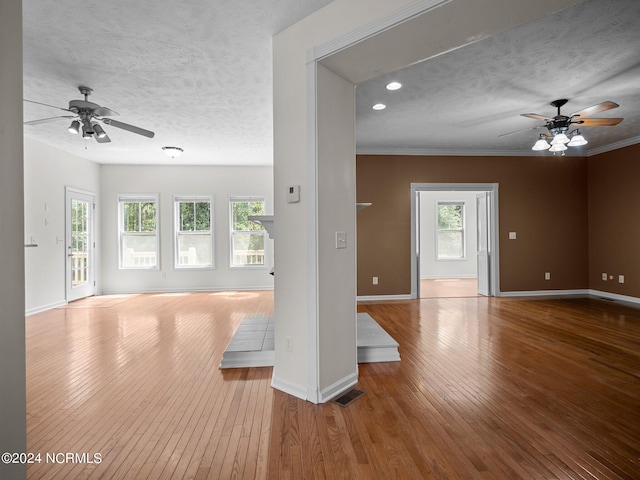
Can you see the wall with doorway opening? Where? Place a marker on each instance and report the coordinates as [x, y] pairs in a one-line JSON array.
[[542, 199], [48, 171]]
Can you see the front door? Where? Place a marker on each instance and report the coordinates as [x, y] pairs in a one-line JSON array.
[[79, 251]]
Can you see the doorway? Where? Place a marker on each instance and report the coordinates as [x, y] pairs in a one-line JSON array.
[[80, 244], [454, 240]]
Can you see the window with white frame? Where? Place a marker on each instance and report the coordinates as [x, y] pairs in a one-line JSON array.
[[450, 231], [247, 237], [194, 235], [138, 231]]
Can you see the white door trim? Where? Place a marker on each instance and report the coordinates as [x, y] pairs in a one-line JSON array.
[[72, 293], [494, 261]]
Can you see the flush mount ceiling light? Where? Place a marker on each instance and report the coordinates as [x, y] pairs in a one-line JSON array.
[[379, 106], [172, 152], [394, 86]]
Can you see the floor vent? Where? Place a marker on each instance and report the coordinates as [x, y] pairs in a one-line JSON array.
[[348, 398]]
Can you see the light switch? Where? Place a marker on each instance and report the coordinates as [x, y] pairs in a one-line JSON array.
[[341, 239]]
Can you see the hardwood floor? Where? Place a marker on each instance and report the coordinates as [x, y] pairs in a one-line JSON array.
[[486, 389], [448, 287]]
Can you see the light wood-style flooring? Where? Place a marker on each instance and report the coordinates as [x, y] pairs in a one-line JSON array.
[[448, 287], [487, 388]]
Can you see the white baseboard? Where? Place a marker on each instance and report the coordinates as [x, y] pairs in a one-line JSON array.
[[614, 296], [184, 290], [294, 389], [338, 387], [545, 293], [44, 308], [369, 298], [570, 293]]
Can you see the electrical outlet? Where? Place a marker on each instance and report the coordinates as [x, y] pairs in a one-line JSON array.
[[288, 344], [375, 280], [547, 275], [620, 278], [513, 235], [604, 277]]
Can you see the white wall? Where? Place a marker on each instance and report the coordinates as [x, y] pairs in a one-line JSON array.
[[336, 300], [297, 304], [13, 429], [47, 172], [167, 181], [430, 267]]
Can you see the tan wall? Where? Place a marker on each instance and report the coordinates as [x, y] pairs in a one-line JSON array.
[[543, 199], [614, 220]]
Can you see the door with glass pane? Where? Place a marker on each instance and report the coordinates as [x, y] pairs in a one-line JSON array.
[[80, 245]]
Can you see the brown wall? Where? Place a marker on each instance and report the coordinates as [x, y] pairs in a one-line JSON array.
[[614, 220], [543, 199]]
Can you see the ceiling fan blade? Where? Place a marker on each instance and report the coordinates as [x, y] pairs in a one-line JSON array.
[[129, 128], [601, 107], [535, 116], [523, 130], [104, 112], [47, 105], [598, 122], [104, 139], [45, 120]]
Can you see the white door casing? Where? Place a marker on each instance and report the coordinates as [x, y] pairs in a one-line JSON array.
[[79, 244]]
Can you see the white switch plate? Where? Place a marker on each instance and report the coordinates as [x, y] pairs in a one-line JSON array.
[[547, 275], [604, 277], [621, 278], [375, 280], [341, 239], [512, 235]]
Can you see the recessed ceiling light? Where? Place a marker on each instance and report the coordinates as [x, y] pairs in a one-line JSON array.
[[394, 86], [379, 106]]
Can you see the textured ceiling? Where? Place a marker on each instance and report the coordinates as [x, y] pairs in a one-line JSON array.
[[460, 102], [198, 74]]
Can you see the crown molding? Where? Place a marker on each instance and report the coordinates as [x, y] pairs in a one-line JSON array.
[[453, 152], [614, 146]]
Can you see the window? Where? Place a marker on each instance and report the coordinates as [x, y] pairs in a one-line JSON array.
[[138, 226], [450, 231], [194, 236], [247, 237]]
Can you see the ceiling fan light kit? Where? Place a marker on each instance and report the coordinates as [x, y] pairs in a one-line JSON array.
[[74, 127], [577, 140], [87, 114], [558, 126]]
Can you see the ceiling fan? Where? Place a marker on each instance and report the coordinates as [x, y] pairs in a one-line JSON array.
[[558, 126], [85, 115]]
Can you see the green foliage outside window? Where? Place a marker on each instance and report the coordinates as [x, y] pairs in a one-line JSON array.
[[195, 216], [449, 217], [241, 212], [139, 216]]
